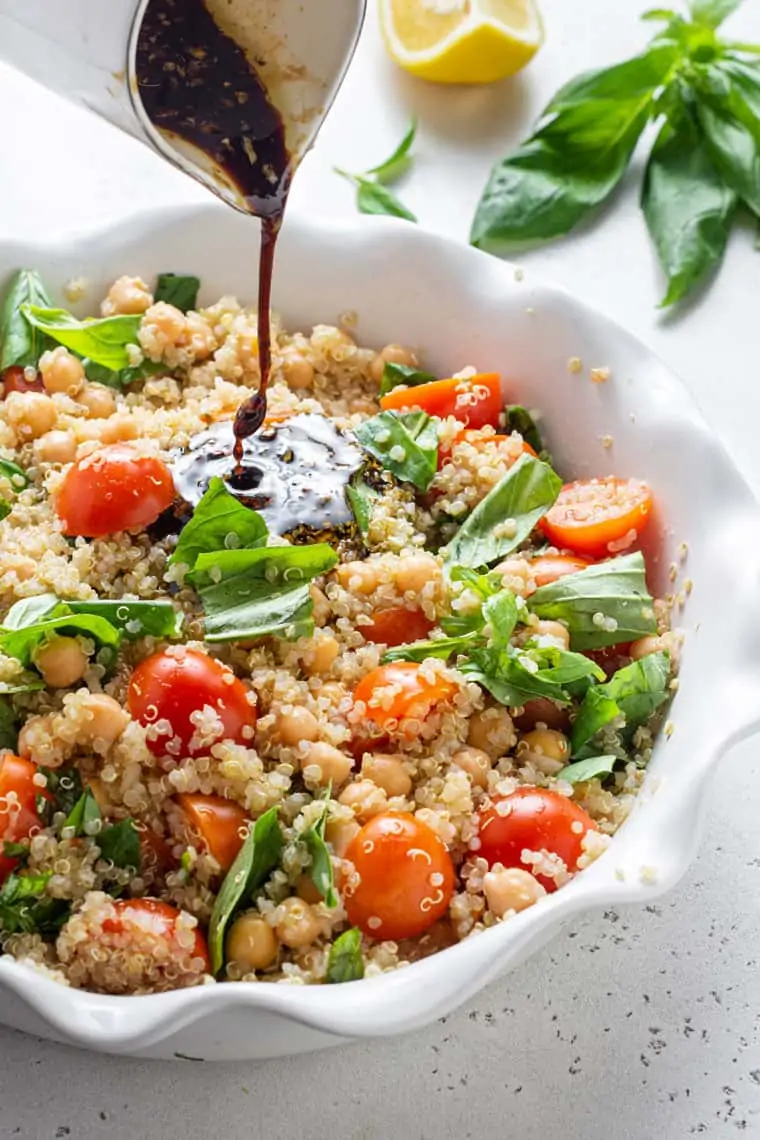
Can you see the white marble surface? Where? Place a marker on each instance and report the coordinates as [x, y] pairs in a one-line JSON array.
[[636, 1024]]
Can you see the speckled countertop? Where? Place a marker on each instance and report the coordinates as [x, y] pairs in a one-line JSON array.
[[635, 1024]]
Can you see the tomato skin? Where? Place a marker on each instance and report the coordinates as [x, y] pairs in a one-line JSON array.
[[115, 488], [548, 568], [538, 819], [397, 626], [17, 777], [155, 852], [396, 856], [14, 380], [416, 698], [598, 517], [159, 916], [220, 822], [476, 401], [174, 684]]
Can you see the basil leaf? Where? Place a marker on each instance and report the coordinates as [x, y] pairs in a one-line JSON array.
[[253, 593], [519, 419], [65, 785], [589, 769], [394, 375], [134, 619], [84, 811], [345, 962], [20, 343], [15, 850], [256, 860], [399, 162], [634, 692], [576, 157], [104, 340], [22, 643], [362, 498], [321, 871], [120, 845], [5, 509], [500, 614], [405, 443], [24, 907], [509, 680], [521, 498], [8, 725], [98, 374], [29, 611], [219, 522], [712, 12], [688, 207], [615, 590], [15, 474], [178, 289], [26, 683], [441, 648], [372, 198], [485, 586], [727, 110]]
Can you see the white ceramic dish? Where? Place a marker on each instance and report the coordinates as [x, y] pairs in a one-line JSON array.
[[460, 307]]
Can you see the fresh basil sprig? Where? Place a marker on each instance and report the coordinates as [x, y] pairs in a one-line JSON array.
[[321, 871], [219, 522], [372, 193], [633, 694], [362, 498], [102, 340], [26, 908], [513, 676], [345, 962], [705, 94], [178, 289], [22, 344], [405, 443]]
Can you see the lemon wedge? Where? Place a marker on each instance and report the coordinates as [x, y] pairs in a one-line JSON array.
[[461, 41]]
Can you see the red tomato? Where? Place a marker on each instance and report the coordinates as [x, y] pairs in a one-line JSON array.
[[138, 916], [598, 517], [541, 710], [221, 824], [538, 820], [155, 853], [406, 877], [14, 380], [476, 401], [414, 696], [113, 489], [548, 568], [397, 626], [172, 685], [19, 817]]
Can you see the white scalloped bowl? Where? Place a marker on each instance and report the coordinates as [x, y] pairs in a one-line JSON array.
[[460, 307]]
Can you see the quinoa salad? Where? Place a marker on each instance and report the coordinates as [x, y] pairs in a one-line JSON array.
[[383, 685]]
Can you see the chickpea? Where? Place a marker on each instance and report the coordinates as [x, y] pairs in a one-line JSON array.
[[476, 763], [322, 654], [414, 571], [251, 942], [61, 372], [56, 447], [492, 731], [295, 725], [165, 324], [548, 749], [298, 373], [127, 296], [299, 925], [358, 577], [364, 798], [517, 576], [30, 414], [98, 400], [61, 661], [391, 354], [115, 429], [388, 773], [106, 719], [510, 889], [645, 646], [321, 763], [558, 633], [306, 890], [339, 834]]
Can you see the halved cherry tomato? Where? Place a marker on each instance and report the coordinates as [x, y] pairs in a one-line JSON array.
[[114, 488], [220, 822], [155, 853], [541, 710], [477, 440], [536, 819], [151, 917], [14, 380], [19, 817], [476, 401], [548, 568], [413, 696], [172, 686], [598, 517], [397, 626], [406, 877]]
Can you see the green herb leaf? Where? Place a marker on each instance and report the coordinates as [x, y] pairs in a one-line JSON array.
[[616, 590], [345, 962], [398, 163], [589, 769], [20, 343], [405, 443], [442, 648], [500, 615], [362, 498], [134, 619], [577, 156], [516, 676], [98, 374], [660, 14], [120, 845], [688, 207], [256, 860], [219, 522], [8, 725], [29, 611], [523, 496], [520, 420], [15, 850], [394, 375], [712, 12], [22, 642], [65, 785], [5, 509], [634, 693], [253, 593], [104, 340], [372, 198], [178, 289], [728, 110], [16, 475], [321, 871], [24, 908], [84, 811]]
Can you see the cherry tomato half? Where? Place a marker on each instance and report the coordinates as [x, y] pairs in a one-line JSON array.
[[114, 488], [541, 710], [173, 685], [536, 819], [476, 401], [19, 817], [406, 877], [397, 626], [598, 517], [14, 380], [139, 917], [221, 824], [413, 696], [548, 568]]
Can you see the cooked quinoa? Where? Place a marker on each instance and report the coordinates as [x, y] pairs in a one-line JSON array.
[[436, 734]]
